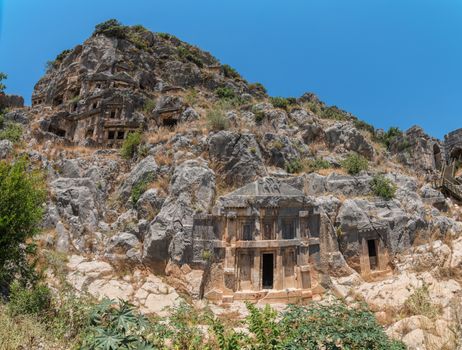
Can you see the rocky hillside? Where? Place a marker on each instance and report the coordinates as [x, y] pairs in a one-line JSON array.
[[175, 130]]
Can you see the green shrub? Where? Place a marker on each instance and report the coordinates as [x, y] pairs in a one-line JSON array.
[[229, 72], [149, 105], [138, 189], [420, 303], [389, 136], [317, 164], [62, 55], [11, 132], [314, 107], [217, 120], [22, 193], [333, 326], [112, 28], [294, 166], [130, 145], [333, 113], [29, 301], [279, 102], [225, 93], [3, 77], [383, 187], [355, 163], [186, 54]]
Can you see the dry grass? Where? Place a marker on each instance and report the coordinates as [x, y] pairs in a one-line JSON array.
[[24, 332], [420, 303], [164, 158], [162, 183]]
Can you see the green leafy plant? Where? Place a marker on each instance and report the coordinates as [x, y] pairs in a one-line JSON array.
[[116, 327], [225, 93], [22, 192], [334, 113], [130, 145], [389, 136], [383, 187], [294, 166], [26, 301], [420, 303], [263, 325], [333, 326], [11, 131], [149, 105], [111, 28], [3, 77], [355, 163], [139, 188], [317, 164], [217, 120]]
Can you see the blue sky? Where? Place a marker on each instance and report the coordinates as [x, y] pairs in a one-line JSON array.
[[390, 62]]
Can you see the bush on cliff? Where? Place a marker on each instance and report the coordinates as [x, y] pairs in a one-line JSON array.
[[22, 194]]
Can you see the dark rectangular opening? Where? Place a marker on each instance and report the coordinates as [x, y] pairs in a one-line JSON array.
[[267, 271], [111, 135], [113, 114], [371, 247], [169, 122], [89, 133], [120, 135]]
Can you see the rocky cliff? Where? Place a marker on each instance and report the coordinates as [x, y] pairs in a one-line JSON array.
[[125, 222]]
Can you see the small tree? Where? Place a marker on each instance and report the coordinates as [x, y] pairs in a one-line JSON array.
[[22, 193], [383, 187], [3, 76], [355, 163], [112, 28]]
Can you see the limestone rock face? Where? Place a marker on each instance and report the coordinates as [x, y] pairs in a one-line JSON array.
[[239, 156], [100, 280], [348, 137], [279, 150], [192, 190], [418, 150], [77, 203], [144, 171]]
